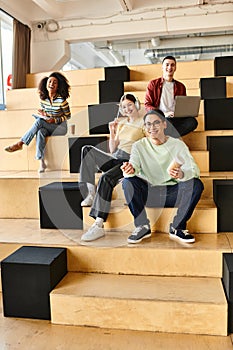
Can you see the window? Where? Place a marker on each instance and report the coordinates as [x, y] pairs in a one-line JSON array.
[[6, 44]]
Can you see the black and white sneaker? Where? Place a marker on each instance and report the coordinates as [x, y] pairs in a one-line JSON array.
[[140, 233], [181, 235]]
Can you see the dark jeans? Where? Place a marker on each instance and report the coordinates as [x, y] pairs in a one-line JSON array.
[[177, 127], [93, 160], [184, 195]]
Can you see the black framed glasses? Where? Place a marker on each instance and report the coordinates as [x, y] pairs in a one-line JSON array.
[[155, 123]]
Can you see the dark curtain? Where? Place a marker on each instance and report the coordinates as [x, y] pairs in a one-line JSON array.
[[21, 54]]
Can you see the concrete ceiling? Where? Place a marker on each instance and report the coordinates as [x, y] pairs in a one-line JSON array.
[[113, 32]]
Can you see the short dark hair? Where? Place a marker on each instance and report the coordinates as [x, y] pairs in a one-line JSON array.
[[169, 58], [157, 112]]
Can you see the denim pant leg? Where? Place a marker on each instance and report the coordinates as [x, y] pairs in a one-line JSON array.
[[103, 197], [136, 192], [48, 130], [185, 196], [42, 129]]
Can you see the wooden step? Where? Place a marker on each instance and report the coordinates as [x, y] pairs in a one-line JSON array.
[[28, 98], [185, 70], [56, 155], [202, 159], [25, 184], [203, 220], [146, 303], [99, 338], [197, 140], [158, 255], [17, 122], [25, 204], [229, 86], [75, 77]]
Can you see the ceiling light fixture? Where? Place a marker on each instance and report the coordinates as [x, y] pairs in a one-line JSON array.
[[51, 25]]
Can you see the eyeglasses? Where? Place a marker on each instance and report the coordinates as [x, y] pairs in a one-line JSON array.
[[155, 123]]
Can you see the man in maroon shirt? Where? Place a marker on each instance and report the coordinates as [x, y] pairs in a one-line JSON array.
[[160, 94]]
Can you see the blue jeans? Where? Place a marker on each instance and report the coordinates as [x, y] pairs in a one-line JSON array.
[[42, 129], [184, 195]]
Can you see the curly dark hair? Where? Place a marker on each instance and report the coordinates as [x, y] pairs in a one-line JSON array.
[[63, 86]]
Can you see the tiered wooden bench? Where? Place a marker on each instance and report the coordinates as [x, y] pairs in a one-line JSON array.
[[158, 285]]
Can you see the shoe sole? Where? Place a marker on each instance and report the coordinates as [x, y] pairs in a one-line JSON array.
[[148, 235], [91, 239], [7, 149], [177, 238]]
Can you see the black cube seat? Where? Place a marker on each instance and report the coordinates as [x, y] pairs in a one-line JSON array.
[[60, 205], [223, 66], [117, 73], [223, 197], [110, 90], [227, 280], [75, 148], [213, 87], [28, 276]]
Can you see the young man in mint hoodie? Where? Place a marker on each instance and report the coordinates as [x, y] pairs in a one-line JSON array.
[[161, 172]]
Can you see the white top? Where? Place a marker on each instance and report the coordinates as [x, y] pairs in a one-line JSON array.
[[167, 101]]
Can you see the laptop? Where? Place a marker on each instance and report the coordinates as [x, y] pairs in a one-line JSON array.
[[187, 106]]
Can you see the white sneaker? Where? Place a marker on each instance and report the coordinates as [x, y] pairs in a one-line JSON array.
[[88, 201], [93, 233]]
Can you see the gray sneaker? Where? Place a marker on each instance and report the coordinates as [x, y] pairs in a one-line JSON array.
[[93, 233], [140, 233]]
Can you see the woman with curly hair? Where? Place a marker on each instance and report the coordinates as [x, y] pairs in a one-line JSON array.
[[51, 118]]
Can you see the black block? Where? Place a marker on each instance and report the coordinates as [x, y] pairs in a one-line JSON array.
[[227, 281], [218, 114], [100, 115], [75, 148], [223, 197], [220, 153], [60, 205], [223, 66], [110, 91], [227, 274], [230, 316], [213, 87], [28, 276], [117, 73]]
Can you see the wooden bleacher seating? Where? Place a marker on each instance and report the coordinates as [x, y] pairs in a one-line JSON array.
[[105, 285]]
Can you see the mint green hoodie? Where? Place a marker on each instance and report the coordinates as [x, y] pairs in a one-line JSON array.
[[151, 161]]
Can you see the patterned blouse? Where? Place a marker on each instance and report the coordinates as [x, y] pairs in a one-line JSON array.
[[58, 109]]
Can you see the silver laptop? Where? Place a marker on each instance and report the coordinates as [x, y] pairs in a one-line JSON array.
[[187, 106]]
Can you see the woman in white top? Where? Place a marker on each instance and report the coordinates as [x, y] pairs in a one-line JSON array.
[[123, 133]]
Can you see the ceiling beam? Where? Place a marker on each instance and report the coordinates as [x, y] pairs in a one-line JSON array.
[[127, 5], [49, 7]]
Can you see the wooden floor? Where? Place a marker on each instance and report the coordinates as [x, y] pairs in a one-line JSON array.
[[37, 334], [21, 334]]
